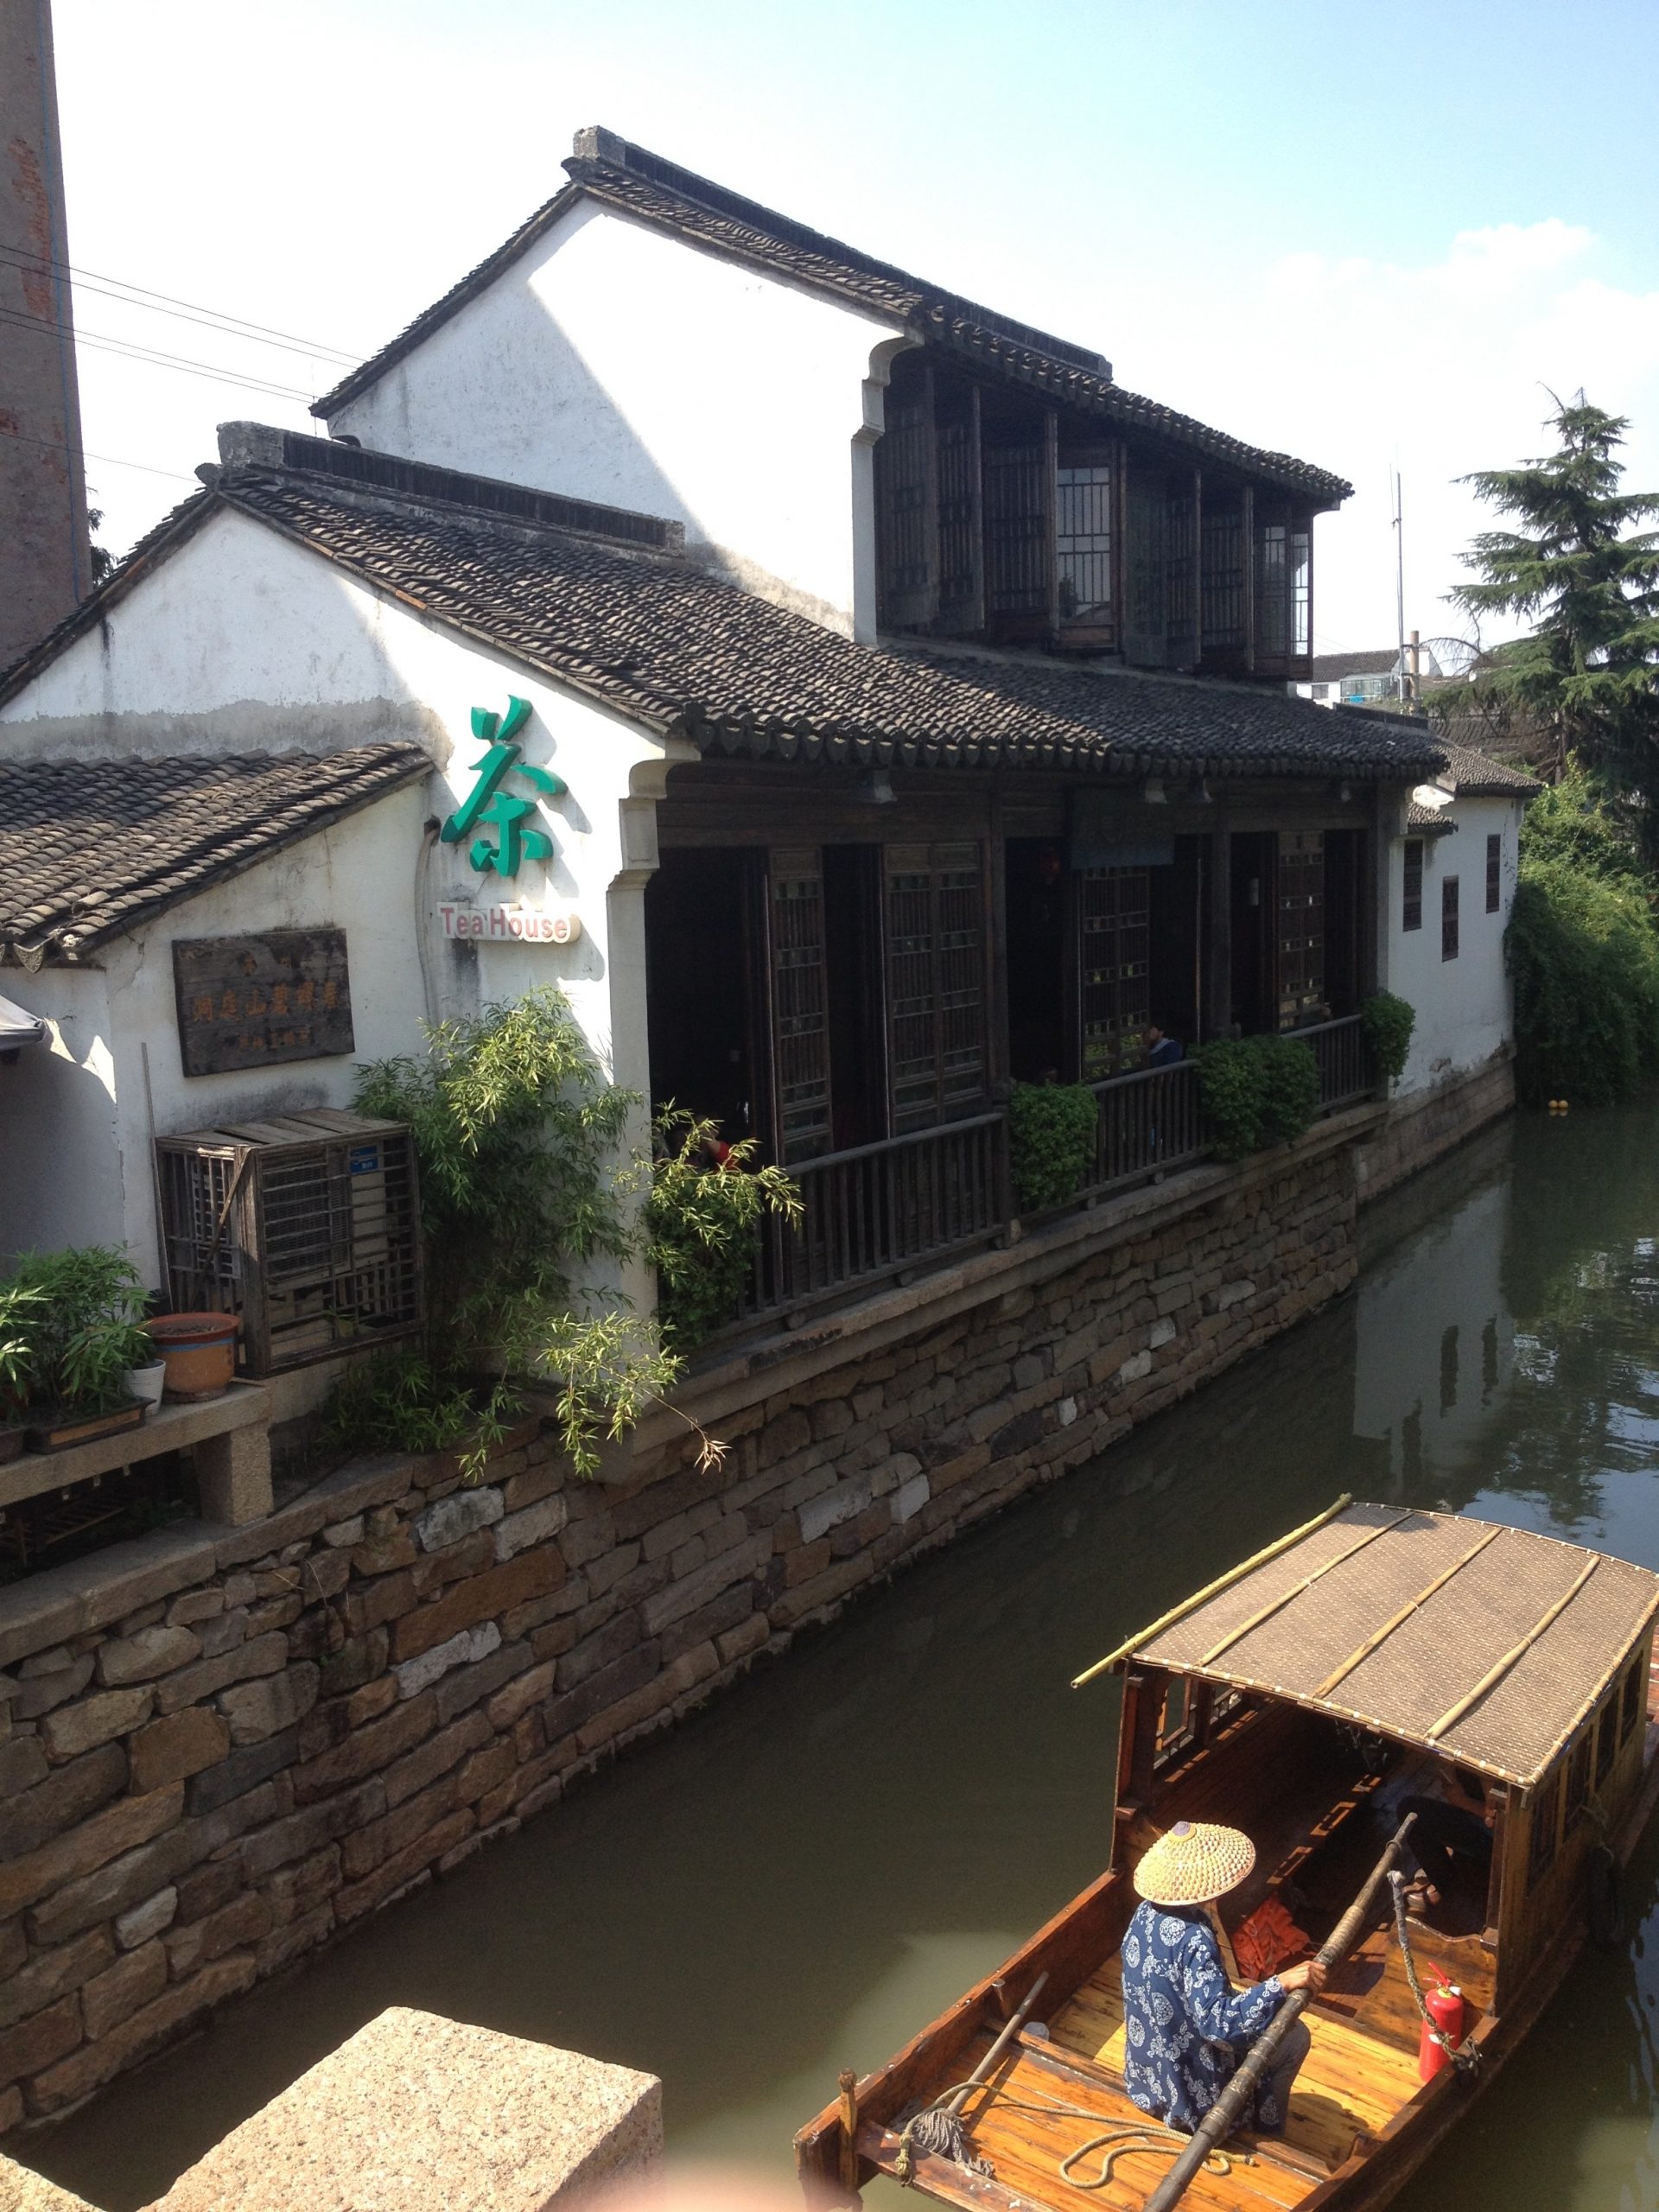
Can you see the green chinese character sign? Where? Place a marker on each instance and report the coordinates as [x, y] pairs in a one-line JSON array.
[[491, 806]]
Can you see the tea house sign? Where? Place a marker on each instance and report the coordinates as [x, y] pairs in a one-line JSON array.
[[253, 1002], [495, 810]]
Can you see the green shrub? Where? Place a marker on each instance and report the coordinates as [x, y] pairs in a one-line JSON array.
[[1257, 1092], [1584, 954], [398, 1399], [1051, 1141], [1290, 1087], [1571, 822], [1232, 1085], [1388, 1022], [517, 1130], [700, 1225], [71, 1328]]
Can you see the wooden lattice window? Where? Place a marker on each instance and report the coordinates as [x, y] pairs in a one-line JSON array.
[[1180, 580], [1411, 903], [1222, 586], [1016, 529], [1301, 926], [1083, 540], [1494, 874], [962, 527], [1545, 1826], [1115, 931], [1272, 590], [907, 507], [936, 1041], [1177, 1720], [800, 1006], [1448, 917]]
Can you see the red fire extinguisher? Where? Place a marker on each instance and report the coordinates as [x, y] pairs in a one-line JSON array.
[[1444, 2003]]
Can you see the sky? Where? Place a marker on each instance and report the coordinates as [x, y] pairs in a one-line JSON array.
[[1376, 236]]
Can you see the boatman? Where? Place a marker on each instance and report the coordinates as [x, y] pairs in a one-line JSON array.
[[1186, 2028]]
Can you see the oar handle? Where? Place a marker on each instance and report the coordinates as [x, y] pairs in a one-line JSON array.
[[982, 2072]]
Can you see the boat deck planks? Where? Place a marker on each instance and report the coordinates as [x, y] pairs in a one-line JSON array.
[[1353, 2082]]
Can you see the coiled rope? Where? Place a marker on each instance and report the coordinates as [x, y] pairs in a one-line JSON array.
[[937, 2132], [1466, 2056]]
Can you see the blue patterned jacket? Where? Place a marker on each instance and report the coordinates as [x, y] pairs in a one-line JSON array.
[[1186, 2027]]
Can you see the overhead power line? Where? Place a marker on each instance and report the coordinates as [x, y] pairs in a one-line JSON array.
[[127, 350], [112, 460], [18, 255]]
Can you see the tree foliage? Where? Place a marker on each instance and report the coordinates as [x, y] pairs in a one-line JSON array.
[[1387, 1022], [1584, 954], [1576, 565]]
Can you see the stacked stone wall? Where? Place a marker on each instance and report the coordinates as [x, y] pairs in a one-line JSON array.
[[1421, 1128], [222, 1748]]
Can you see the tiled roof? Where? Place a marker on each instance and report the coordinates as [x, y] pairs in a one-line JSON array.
[[1423, 820], [1472, 774], [1331, 668], [89, 848], [643, 186], [677, 649]]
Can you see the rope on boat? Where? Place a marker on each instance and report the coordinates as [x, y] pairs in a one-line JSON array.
[[1466, 2056], [937, 2132]]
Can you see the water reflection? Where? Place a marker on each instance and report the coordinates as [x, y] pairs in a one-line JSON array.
[[799, 1878]]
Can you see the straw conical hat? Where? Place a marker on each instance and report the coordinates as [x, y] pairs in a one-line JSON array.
[[1197, 1861]]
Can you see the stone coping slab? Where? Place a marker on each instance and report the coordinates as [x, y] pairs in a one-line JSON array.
[[415, 2113], [168, 1429], [21, 2189]]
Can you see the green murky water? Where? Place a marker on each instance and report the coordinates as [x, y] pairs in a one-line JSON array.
[[811, 1869]]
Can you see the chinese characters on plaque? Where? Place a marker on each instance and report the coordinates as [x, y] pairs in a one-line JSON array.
[[253, 1002], [492, 806]]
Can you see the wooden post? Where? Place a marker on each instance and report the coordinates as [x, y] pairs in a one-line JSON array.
[[1221, 927], [998, 1070], [1250, 577], [848, 2084], [1198, 568], [1051, 498]]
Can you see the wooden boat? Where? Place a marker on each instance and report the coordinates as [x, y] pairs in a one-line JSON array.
[[1301, 1698]]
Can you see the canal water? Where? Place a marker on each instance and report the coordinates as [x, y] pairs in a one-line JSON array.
[[808, 1871]]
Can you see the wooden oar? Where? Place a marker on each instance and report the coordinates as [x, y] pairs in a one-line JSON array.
[[1223, 2115]]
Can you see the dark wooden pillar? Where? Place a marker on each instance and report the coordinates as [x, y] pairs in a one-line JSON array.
[[1218, 1007], [997, 908], [1250, 578]]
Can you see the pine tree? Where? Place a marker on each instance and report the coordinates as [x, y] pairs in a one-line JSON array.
[[1587, 675]]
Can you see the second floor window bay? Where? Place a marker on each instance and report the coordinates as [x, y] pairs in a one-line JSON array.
[[1003, 517]]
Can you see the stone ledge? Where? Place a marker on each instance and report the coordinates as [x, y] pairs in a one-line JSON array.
[[416, 2112], [168, 1429]]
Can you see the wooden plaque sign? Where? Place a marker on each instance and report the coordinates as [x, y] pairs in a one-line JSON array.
[[251, 1001]]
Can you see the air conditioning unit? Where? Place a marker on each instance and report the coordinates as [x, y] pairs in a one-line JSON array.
[[307, 1225]]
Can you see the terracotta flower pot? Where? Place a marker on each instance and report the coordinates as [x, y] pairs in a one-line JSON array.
[[198, 1351]]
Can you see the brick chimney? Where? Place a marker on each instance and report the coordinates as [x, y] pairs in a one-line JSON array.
[[45, 568]]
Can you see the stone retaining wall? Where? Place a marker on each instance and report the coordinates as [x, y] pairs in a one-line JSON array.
[[1423, 1127], [223, 1747]]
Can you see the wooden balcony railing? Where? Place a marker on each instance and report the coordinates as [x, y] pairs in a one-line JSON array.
[[1149, 1122], [883, 1209], [1346, 1073]]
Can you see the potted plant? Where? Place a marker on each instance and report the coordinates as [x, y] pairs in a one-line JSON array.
[[83, 1334], [18, 1308]]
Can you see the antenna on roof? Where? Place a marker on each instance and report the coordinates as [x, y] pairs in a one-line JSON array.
[[1399, 581]]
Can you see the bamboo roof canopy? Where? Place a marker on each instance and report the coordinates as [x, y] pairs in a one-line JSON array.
[[1485, 1644]]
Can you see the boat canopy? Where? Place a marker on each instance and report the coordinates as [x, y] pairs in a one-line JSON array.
[[1487, 1644]]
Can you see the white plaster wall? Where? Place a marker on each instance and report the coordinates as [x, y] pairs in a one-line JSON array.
[[60, 1158], [615, 363], [244, 641], [1435, 1341], [1465, 1008]]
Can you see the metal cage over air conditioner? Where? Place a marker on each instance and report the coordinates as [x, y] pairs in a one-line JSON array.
[[307, 1225]]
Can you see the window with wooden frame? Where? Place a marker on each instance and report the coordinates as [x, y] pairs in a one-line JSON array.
[[1301, 593], [1607, 1738], [1084, 487], [1578, 1774], [1545, 1826], [1448, 917], [1494, 874], [1016, 531], [938, 1047], [1114, 969], [962, 523], [1177, 1720], [1222, 582], [907, 506], [1630, 1703], [800, 1006], [1301, 926], [1272, 590], [1181, 578], [1411, 900]]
